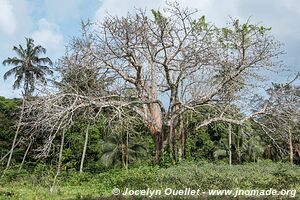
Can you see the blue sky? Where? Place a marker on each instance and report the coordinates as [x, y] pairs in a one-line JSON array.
[[52, 23]]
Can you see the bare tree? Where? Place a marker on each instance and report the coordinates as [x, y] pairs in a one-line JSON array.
[[283, 115], [159, 67], [181, 60]]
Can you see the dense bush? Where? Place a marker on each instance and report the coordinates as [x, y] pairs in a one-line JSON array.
[[8, 116], [205, 176], [195, 175]]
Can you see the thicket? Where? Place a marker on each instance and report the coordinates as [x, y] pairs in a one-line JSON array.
[[196, 175]]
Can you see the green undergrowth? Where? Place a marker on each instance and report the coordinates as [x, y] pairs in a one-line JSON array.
[[194, 175]]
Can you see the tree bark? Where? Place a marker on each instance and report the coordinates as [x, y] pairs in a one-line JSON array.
[[229, 144], [84, 148]]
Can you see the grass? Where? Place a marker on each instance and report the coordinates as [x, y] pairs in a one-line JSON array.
[[201, 175]]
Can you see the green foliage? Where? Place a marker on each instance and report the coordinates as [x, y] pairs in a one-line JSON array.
[[202, 175], [75, 138], [200, 145], [116, 150], [8, 116], [263, 175], [159, 18], [200, 24], [253, 148]]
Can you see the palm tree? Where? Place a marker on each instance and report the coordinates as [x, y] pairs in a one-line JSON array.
[[119, 149], [29, 68]]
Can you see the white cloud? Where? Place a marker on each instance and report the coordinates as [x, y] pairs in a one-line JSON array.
[[7, 17], [49, 36]]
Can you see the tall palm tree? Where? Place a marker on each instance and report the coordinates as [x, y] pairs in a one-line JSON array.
[[29, 68]]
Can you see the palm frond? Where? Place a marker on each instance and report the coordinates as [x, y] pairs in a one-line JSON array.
[[38, 50], [17, 82], [12, 61], [219, 153], [19, 51], [45, 60], [10, 72], [40, 77], [110, 157]]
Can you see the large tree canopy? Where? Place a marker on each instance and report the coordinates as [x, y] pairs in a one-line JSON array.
[[159, 67]]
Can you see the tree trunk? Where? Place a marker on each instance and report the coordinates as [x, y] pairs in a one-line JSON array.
[[24, 157], [171, 142], [181, 139], [155, 120], [158, 140], [291, 147], [240, 131], [229, 144], [164, 144], [174, 144], [127, 156], [16, 135], [84, 148], [123, 155], [59, 160]]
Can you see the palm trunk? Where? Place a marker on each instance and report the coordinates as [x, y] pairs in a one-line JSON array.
[[291, 147], [16, 135], [84, 148], [229, 144]]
